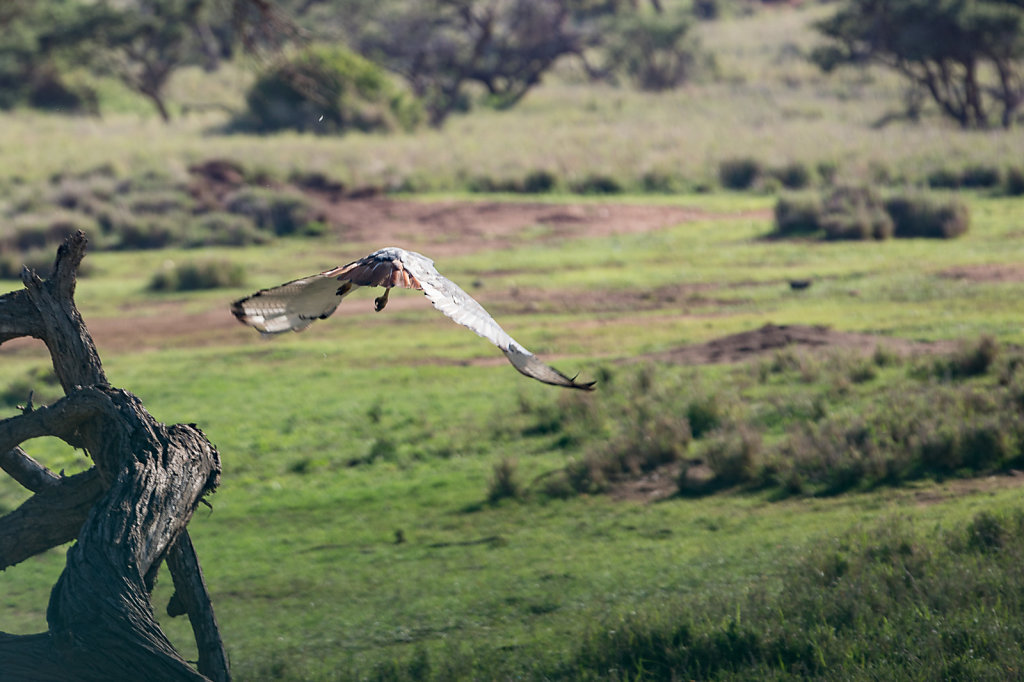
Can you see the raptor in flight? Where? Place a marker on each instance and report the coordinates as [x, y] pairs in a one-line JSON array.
[[295, 305]]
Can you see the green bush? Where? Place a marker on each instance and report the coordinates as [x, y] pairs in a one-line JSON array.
[[219, 228], [981, 176], [734, 455], [149, 232], [159, 201], [888, 602], [1013, 183], [539, 182], [705, 414], [660, 182], [278, 212], [923, 216], [977, 176], [193, 276], [597, 184], [794, 175], [798, 215], [327, 89], [855, 213], [739, 173], [970, 360], [504, 484], [860, 213], [944, 178], [487, 184]]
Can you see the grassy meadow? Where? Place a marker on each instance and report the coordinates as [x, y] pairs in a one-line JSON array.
[[873, 529]]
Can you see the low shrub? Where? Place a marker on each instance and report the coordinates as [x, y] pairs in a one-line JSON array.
[[943, 178], [504, 483], [1013, 182], [327, 89], [924, 216], [278, 212], [818, 436], [849, 607], [827, 171], [148, 232], [798, 215], [220, 228], [981, 176], [739, 173], [660, 182], [734, 455], [861, 213], [193, 276], [539, 182], [794, 175], [159, 202], [705, 414], [44, 229], [855, 213], [970, 360], [487, 184], [596, 184]]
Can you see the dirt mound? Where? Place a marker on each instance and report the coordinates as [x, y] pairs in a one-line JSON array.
[[770, 337]]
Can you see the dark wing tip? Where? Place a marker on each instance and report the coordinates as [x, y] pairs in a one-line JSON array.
[[531, 366], [238, 311], [588, 386]]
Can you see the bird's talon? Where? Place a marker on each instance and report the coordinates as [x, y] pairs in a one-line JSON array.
[[381, 301]]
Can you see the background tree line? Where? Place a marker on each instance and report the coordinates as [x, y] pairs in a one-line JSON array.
[[967, 56]]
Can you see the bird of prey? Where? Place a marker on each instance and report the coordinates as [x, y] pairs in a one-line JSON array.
[[293, 306]]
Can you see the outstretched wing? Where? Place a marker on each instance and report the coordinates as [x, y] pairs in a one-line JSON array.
[[294, 306], [450, 299]]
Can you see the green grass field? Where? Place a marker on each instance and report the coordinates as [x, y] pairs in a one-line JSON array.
[[369, 428]]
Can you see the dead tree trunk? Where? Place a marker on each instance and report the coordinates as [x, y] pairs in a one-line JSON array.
[[128, 513]]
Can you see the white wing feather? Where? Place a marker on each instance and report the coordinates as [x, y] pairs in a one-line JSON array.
[[292, 306], [295, 305]]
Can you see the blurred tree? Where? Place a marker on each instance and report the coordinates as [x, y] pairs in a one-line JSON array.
[[441, 46], [28, 72], [656, 52], [968, 56], [140, 42]]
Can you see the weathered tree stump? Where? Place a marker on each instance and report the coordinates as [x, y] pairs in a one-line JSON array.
[[128, 512]]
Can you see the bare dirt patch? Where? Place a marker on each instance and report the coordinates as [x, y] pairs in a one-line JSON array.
[[461, 227], [989, 272], [452, 227], [770, 338]]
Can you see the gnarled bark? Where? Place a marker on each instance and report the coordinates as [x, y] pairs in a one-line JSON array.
[[129, 512]]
